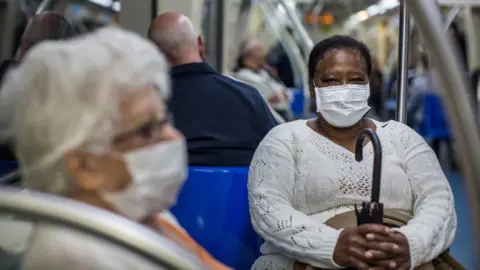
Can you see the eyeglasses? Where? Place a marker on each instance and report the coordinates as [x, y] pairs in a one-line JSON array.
[[147, 130]]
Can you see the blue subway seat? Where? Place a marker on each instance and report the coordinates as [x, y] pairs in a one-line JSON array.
[[7, 166], [213, 208], [390, 104], [434, 124], [297, 104]]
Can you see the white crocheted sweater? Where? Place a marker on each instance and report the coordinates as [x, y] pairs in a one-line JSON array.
[[299, 179]]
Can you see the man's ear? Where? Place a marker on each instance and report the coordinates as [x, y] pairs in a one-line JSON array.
[[83, 169], [201, 46]]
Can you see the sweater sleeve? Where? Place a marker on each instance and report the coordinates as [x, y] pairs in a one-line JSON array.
[[433, 227], [270, 188]]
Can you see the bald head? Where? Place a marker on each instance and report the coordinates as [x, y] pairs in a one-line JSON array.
[[45, 26], [175, 35]]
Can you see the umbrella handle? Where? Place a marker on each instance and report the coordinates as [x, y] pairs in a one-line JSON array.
[[369, 213], [377, 159]]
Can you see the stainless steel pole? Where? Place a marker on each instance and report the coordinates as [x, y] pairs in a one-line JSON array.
[[43, 6], [428, 19], [8, 29], [452, 14], [307, 41], [307, 44], [402, 73]]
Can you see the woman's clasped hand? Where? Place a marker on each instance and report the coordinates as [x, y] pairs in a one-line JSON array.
[[372, 247]]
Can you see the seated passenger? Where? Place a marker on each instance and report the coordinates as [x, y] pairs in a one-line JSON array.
[[251, 69], [90, 124], [421, 85], [44, 26], [278, 58], [222, 119], [304, 173], [47, 25]]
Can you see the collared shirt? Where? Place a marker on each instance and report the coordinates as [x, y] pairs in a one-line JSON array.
[[266, 85], [180, 236], [223, 120]]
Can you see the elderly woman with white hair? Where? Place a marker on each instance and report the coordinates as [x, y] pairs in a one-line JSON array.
[[90, 123]]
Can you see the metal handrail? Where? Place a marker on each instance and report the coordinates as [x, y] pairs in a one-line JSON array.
[[307, 44], [403, 48], [43, 6], [7, 29], [428, 18], [292, 50], [452, 14], [30, 205], [306, 40]]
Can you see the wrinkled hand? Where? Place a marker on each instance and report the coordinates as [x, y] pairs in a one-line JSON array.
[[354, 250], [388, 250]]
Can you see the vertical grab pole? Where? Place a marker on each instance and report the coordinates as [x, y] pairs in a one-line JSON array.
[[307, 41], [402, 78], [7, 29], [428, 19], [43, 6], [307, 45]]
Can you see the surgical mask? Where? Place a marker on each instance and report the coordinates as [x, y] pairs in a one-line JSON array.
[[157, 173], [343, 105]]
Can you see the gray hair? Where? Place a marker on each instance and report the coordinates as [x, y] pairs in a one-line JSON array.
[[247, 46], [65, 95], [172, 40]]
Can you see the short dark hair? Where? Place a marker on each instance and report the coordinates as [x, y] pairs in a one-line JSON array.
[[337, 42]]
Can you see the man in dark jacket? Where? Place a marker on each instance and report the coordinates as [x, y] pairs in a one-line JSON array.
[[222, 119]]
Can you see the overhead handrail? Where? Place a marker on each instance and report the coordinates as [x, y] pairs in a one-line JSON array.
[[306, 40], [292, 50], [116, 229], [307, 44], [43, 6], [428, 18], [452, 14]]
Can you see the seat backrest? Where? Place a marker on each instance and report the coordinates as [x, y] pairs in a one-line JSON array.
[[8, 174], [7, 166], [297, 104], [10, 261], [213, 208], [434, 124]]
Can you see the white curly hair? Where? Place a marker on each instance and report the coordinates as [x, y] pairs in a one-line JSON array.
[[65, 95]]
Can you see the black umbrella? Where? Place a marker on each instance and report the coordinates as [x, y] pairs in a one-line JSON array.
[[371, 212]]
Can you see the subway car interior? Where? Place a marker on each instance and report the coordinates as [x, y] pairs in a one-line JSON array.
[[430, 47]]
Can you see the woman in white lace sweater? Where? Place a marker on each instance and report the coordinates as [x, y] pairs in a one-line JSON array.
[[304, 173]]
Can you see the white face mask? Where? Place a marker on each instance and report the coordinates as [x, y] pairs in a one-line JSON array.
[[343, 105], [158, 173]]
